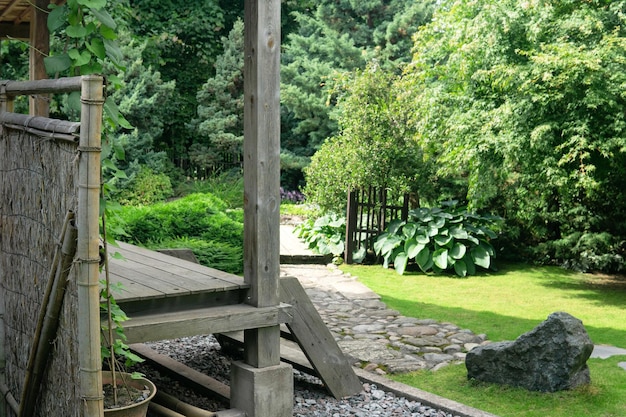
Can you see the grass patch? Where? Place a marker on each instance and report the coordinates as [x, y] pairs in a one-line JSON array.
[[504, 305]]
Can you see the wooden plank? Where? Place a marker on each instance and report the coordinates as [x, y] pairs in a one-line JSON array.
[[176, 276], [189, 376], [204, 321], [317, 343], [156, 279], [150, 256], [40, 48]]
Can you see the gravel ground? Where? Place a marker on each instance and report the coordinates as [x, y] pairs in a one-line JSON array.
[[204, 354]]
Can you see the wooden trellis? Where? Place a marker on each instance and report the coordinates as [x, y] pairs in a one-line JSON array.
[[369, 212]]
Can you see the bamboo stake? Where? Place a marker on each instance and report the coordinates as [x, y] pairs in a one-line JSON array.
[[181, 407], [3, 387], [46, 330], [8, 397], [90, 372]]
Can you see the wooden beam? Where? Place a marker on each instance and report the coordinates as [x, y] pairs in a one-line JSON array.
[[262, 172], [39, 49], [9, 7]]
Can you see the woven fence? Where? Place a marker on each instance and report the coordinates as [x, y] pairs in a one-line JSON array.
[[40, 189]]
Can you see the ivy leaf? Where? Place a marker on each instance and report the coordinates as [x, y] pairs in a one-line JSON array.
[[57, 18], [57, 63], [93, 4], [79, 58], [440, 258], [399, 262], [76, 31], [104, 17]]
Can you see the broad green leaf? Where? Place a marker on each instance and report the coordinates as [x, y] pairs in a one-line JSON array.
[[422, 238], [399, 262], [394, 226], [433, 230], [469, 263], [390, 244], [409, 230], [488, 232], [473, 239], [412, 248], [93, 4], [73, 101], [424, 259], [480, 256], [108, 33], [358, 256], [437, 222], [104, 17], [460, 268], [76, 31], [440, 258], [57, 18], [79, 58], [57, 63], [113, 51], [380, 241], [458, 250], [458, 232], [442, 240]]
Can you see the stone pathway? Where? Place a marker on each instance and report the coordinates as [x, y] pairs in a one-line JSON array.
[[376, 338]]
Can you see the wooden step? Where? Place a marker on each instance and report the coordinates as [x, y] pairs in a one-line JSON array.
[[162, 326]]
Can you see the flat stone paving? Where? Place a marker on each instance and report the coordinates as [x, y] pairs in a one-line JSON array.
[[375, 337]]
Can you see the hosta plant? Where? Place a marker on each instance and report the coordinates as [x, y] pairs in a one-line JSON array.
[[324, 235], [440, 239]]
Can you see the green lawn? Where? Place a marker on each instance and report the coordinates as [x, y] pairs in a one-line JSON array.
[[503, 305]]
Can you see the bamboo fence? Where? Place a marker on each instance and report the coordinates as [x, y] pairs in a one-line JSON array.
[[46, 171]]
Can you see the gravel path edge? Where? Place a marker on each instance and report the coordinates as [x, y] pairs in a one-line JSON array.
[[415, 394]]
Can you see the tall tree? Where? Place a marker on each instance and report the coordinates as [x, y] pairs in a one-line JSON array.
[[525, 100], [220, 107]]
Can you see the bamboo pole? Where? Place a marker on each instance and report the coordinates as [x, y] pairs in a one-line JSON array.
[[9, 399], [179, 406], [88, 257], [48, 322], [3, 388]]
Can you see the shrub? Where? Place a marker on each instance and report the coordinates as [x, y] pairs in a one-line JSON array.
[[325, 235], [146, 187], [439, 239]]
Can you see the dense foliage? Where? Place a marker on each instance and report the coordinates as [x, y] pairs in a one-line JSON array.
[[439, 239], [200, 222]]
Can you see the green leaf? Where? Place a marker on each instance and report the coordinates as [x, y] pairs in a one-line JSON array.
[[113, 51], [93, 4], [469, 263], [96, 46], [399, 262], [57, 18], [79, 58], [108, 33], [460, 268], [409, 230], [57, 63], [442, 240], [104, 17], [424, 259], [440, 258], [458, 250], [480, 256], [394, 226], [437, 222], [76, 31], [412, 248], [458, 232], [73, 101], [422, 239]]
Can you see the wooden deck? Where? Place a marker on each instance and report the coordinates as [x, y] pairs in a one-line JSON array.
[[167, 297]]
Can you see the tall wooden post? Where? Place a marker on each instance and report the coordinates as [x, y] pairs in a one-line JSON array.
[[88, 256], [39, 49], [262, 386]]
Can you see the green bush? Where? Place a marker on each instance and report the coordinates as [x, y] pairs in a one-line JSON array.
[[439, 239], [202, 220], [324, 235], [146, 187]]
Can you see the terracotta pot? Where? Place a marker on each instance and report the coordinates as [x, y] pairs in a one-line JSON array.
[[139, 409]]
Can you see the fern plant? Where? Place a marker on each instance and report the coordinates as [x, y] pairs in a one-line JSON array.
[[439, 239]]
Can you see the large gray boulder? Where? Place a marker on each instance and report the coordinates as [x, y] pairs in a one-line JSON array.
[[551, 357]]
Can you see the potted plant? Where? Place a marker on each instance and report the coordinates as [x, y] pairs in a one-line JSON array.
[[125, 394]]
